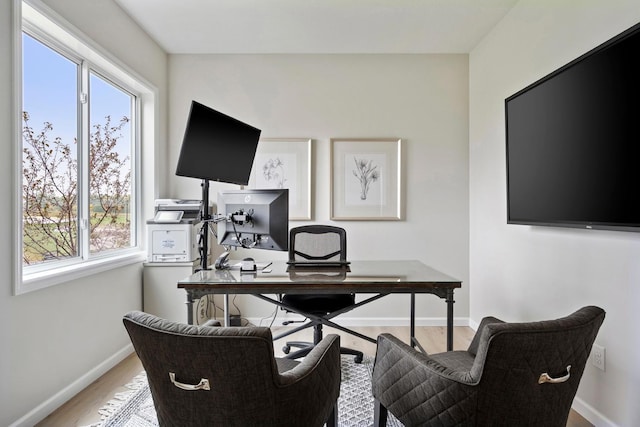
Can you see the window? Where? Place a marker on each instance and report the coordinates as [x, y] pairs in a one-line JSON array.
[[50, 160], [110, 152], [80, 139]]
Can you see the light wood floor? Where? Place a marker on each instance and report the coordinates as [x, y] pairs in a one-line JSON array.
[[82, 409]]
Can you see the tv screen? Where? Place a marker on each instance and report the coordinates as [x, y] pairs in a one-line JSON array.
[[256, 219], [573, 142], [217, 147]]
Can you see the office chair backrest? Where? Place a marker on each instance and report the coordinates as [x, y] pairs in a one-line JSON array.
[[318, 242]]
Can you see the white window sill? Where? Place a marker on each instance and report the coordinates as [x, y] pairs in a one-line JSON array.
[[43, 279]]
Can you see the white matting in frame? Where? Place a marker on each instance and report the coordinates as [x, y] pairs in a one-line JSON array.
[[366, 181], [285, 163]]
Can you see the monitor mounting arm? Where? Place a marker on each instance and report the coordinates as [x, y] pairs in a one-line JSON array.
[[240, 217]]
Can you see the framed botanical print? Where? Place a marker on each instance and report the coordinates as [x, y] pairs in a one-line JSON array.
[[285, 163], [366, 179]]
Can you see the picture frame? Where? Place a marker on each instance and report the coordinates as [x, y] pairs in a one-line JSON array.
[[366, 179], [285, 163]]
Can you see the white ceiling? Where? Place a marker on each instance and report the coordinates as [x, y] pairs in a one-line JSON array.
[[317, 26]]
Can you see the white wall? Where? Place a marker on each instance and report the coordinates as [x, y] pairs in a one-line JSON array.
[[422, 99], [524, 273], [59, 339]]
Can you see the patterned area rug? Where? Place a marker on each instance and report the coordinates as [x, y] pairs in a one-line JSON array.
[[134, 408]]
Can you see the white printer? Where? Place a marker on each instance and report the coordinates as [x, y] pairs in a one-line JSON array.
[[172, 235]]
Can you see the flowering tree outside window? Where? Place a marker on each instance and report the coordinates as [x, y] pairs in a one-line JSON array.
[[50, 192]]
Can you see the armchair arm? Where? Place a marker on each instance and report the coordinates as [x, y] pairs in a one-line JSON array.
[[452, 365], [324, 356], [417, 387], [308, 393], [475, 343]]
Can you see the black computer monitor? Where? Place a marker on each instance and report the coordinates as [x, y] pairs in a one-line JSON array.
[[217, 147], [257, 219]]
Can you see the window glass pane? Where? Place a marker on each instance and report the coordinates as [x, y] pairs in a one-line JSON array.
[[110, 166], [49, 156]]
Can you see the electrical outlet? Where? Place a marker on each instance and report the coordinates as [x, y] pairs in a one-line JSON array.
[[598, 356]]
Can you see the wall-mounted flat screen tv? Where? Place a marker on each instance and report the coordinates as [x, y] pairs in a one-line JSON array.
[[217, 147], [573, 142]]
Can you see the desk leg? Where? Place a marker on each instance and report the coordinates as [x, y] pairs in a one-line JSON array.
[[412, 331], [227, 316], [413, 341], [450, 302], [189, 304]]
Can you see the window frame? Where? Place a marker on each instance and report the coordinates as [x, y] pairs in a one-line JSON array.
[[39, 21]]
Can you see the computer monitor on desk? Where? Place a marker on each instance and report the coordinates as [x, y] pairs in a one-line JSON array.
[[255, 219]]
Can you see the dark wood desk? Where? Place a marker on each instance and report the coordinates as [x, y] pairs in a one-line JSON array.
[[362, 277]]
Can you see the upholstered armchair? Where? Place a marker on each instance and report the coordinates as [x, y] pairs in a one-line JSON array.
[[513, 374], [215, 376]]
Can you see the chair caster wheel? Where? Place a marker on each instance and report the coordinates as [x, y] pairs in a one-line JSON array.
[[286, 349], [357, 359]]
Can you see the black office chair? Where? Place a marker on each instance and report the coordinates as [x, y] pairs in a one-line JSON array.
[[317, 243]]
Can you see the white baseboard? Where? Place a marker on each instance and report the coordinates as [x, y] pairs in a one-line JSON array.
[[40, 412], [591, 414]]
